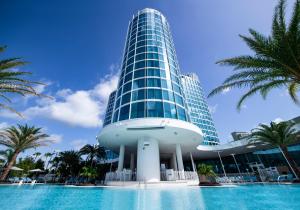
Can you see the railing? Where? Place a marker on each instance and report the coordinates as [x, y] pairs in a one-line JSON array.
[[237, 178], [167, 175]]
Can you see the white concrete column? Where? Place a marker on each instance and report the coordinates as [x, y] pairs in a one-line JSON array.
[[193, 164], [148, 168], [179, 158], [132, 162], [121, 158], [174, 162]]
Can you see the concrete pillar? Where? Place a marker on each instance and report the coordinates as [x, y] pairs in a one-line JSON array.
[[193, 164], [179, 158], [148, 168], [121, 158], [174, 162], [132, 162]]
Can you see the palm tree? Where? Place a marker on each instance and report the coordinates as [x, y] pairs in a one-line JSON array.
[[280, 135], [36, 155], [276, 59], [48, 155], [68, 163], [19, 139], [6, 155], [92, 152], [12, 81]]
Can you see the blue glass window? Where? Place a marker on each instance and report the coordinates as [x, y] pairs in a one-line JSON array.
[[124, 113], [140, 64], [116, 115], [164, 84], [181, 113], [137, 110], [139, 73], [126, 98], [152, 63], [138, 95], [154, 94], [128, 77], [140, 50], [141, 56], [179, 99], [154, 109], [153, 72], [127, 87], [152, 82], [167, 95], [170, 110], [138, 83]]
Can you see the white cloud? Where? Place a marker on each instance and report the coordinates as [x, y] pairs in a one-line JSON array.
[[213, 109], [83, 108], [4, 125], [78, 144], [55, 138], [278, 120], [226, 90]]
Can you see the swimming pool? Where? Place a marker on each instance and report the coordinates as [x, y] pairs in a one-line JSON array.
[[250, 197]]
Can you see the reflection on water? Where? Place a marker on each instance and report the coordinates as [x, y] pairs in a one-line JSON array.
[[254, 197]]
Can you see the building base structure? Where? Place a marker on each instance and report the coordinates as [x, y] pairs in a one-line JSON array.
[[159, 145]]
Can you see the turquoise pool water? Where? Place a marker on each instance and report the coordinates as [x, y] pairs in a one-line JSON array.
[[250, 197]]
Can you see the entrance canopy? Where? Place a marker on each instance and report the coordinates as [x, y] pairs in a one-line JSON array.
[[234, 147]]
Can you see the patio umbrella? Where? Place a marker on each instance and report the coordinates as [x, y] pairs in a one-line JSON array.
[[36, 170], [15, 168]]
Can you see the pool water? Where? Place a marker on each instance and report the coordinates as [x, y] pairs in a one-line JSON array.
[[250, 197]]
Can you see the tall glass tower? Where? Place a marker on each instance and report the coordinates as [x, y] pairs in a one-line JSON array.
[[149, 84], [198, 109], [150, 126]]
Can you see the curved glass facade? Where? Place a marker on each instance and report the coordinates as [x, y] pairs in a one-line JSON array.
[[149, 84], [198, 109]]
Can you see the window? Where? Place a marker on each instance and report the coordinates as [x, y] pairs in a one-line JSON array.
[[179, 99], [124, 113], [141, 56], [170, 110], [152, 63], [128, 77], [181, 113], [138, 83], [116, 115], [176, 88], [153, 82], [140, 64], [154, 94], [126, 98], [137, 110], [153, 72], [167, 95], [138, 95], [139, 73], [154, 109], [127, 87]]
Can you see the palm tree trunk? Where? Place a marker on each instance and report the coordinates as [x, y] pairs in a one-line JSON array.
[[7, 169], [292, 165]]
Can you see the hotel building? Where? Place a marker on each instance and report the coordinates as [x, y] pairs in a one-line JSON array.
[[153, 120]]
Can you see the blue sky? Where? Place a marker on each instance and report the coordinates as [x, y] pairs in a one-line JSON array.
[[76, 47]]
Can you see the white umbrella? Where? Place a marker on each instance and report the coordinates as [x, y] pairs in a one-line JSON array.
[[36, 170], [15, 168]]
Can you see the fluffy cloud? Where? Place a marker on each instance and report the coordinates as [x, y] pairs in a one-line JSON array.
[[55, 138], [83, 108], [226, 90], [213, 109], [78, 144], [278, 120], [3, 125]]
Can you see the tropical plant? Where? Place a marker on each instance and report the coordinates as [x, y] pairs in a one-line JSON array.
[[48, 155], [89, 172], [276, 59], [206, 170], [6, 155], [19, 139], [280, 135], [93, 152], [36, 155], [13, 82], [67, 163]]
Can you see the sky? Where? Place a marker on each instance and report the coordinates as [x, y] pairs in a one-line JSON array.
[[76, 48]]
